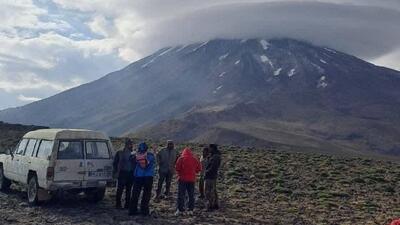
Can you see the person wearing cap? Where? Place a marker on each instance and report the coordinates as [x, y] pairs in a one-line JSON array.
[[187, 166], [211, 176], [144, 163], [166, 159], [123, 170]]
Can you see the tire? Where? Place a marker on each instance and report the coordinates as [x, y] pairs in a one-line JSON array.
[[95, 194], [33, 191], [4, 182]]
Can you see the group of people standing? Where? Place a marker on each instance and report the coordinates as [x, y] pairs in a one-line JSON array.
[[135, 171]]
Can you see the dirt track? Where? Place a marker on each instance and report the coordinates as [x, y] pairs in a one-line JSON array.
[[77, 210]]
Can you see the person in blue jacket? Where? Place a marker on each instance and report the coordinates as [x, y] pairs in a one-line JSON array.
[[144, 162]]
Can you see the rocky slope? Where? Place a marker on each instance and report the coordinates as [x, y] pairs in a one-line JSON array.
[[256, 186], [10, 134], [243, 92]]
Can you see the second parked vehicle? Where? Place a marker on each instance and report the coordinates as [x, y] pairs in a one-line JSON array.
[[52, 160]]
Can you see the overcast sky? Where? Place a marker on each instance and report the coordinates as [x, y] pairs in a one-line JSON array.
[[48, 46]]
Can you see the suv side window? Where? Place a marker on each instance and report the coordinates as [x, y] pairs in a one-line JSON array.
[[30, 147], [97, 150], [70, 150], [45, 149], [21, 147]]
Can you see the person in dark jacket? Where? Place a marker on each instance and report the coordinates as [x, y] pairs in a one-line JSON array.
[[166, 160], [211, 176], [203, 161], [187, 166], [144, 173], [123, 170]]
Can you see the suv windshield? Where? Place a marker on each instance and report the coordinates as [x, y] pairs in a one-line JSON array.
[[97, 150], [70, 150]]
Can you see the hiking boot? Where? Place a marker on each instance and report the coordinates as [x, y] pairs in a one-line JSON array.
[[118, 206], [178, 213], [126, 206]]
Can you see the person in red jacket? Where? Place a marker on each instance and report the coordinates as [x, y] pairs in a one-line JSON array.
[[187, 166], [395, 222]]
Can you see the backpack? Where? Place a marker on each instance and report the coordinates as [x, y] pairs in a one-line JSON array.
[[141, 159]]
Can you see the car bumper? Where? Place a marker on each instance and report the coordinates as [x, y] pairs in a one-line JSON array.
[[68, 185]]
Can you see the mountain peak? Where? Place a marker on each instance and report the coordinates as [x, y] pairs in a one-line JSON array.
[[285, 89]]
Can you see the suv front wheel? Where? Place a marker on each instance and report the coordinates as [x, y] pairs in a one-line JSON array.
[[33, 190], [4, 182]]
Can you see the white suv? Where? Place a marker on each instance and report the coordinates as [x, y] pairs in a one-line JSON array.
[[53, 160]]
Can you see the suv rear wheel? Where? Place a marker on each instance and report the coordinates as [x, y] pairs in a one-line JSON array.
[[95, 194], [4, 182], [33, 190]]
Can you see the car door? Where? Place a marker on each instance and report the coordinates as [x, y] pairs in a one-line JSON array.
[[70, 163], [98, 162], [14, 165], [26, 160]]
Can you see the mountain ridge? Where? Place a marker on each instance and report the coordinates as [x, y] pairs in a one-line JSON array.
[[308, 94]]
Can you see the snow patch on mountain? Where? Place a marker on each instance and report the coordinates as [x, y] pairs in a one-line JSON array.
[[149, 62], [319, 69], [181, 48], [292, 72], [322, 82], [222, 57], [217, 89], [330, 50], [323, 61], [165, 52], [222, 74], [277, 72], [265, 59], [237, 62], [200, 46], [154, 58], [265, 44]]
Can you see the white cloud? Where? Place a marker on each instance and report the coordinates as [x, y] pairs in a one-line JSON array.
[[365, 28], [100, 25], [30, 81], [391, 60], [49, 46], [24, 98]]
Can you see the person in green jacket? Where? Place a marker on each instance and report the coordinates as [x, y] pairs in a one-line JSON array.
[[203, 161], [211, 177], [166, 160]]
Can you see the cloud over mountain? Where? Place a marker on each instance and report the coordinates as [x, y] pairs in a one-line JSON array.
[[49, 46]]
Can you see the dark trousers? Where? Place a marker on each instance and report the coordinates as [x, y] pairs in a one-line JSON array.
[[145, 184], [167, 177], [211, 193], [125, 182], [183, 188], [201, 187]]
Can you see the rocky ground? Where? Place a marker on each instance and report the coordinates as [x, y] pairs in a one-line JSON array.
[[256, 187]]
